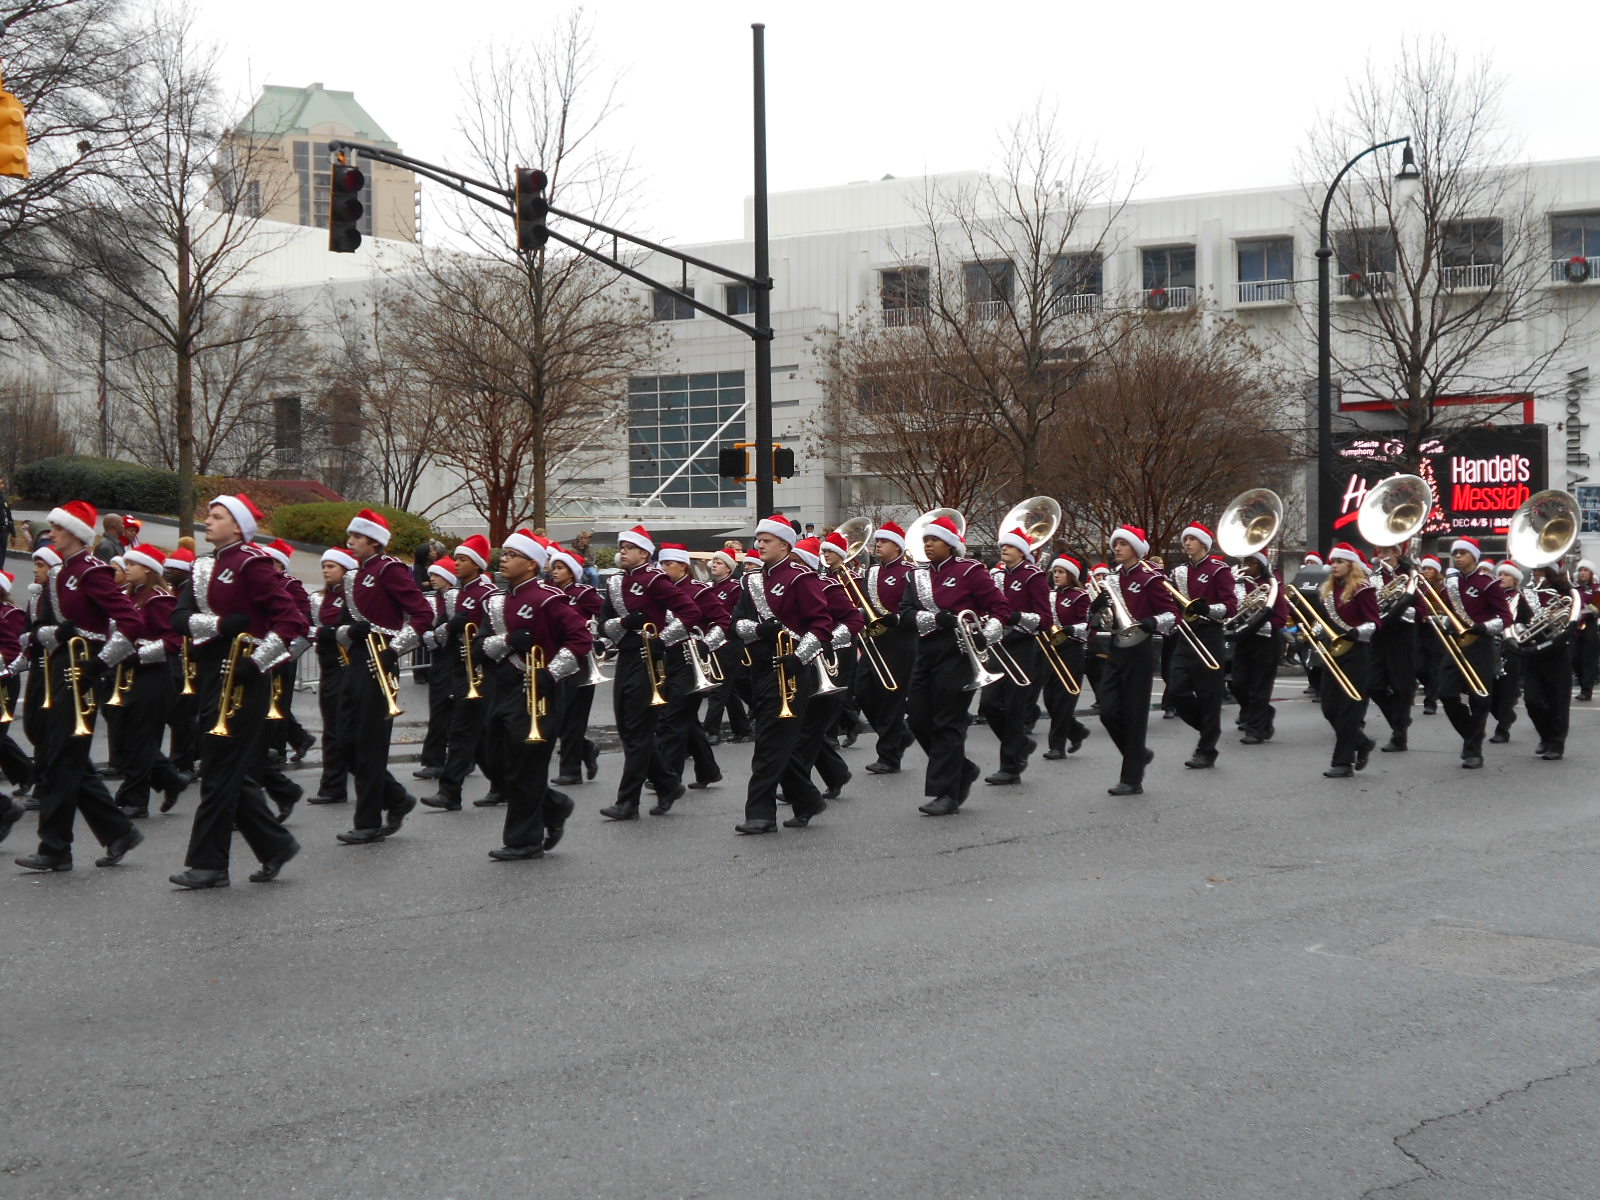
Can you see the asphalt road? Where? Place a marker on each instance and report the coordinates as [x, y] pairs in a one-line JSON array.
[[1249, 982]]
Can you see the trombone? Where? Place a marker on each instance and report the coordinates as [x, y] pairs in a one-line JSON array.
[[538, 706], [654, 668], [855, 532], [82, 698], [1201, 650]]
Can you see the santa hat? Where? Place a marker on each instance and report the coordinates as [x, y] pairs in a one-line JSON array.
[[1348, 553], [119, 562], [77, 517], [724, 557], [181, 559], [1134, 536], [1016, 538], [444, 568], [476, 548], [674, 552], [280, 550], [808, 549], [526, 544], [945, 530], [1100, 569], [1198, 531], [1470, 545], [1072, 566], [152, 558], [369, 525], [835, 543], [890, 532], [1260, 556], [572, 561], [244, 512], [1312, 559], [1510, 568], [340, 557], [133, 525], [6, 580], [1429, 560], [1586, 563], [637, 536], [48, 556], [778, 527]]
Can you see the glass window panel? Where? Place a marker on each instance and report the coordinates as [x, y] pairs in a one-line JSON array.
[[732, 379], [700, 383]]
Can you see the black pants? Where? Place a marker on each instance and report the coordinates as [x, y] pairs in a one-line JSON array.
[[14, 760], [731, 695], [1094, 667], [636, 720], [1429, 655], [183, 721], [1169, 647], [1125, 684], [288, 732], [883, 709], [1392, 677], [1547, 692], [1469, 713], [34, 716], [365, 723], [1347, 717], [678, 731], [527, 764], [334, 768], [1586, 656], [937, 711], [1061, 704], [1506, 692], [468, 738], [575, 745], [440, 710], [67, 781], [773, 762], [230, 774], [1194, 691], [815, 750], [144, 720], [1008, 709], [1255, 670]]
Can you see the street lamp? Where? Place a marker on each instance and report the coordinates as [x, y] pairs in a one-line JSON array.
[[1325, 515]]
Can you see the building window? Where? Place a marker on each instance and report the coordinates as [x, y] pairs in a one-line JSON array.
[[738, 299], [1471, 255], [1575, 235], [904, 289], [988, 283], [1266, 269], [669, 418], [1168, 268], [668, 304], [1075, 282], [1365, 251]]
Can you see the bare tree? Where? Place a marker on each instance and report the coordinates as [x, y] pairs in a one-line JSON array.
[[30, 425], [1444, 277]]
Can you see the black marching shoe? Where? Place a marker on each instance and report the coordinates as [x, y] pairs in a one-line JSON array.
[[492, 800], [700, 784], [882, 768], [319, 798], [563, 780], [133, 814], [800, 822], [1200, 762], [940, 806], [621, 812], [398, 814], [557, 811], [516, 853], [360, 837], [969, 776], [427, 773], [1541, 748], [756, 827], [1472, 762], [663, 804], [1500, 738], [1339, 771], [591, 759], [9, 816], [833, 792], [286, 807], [1076, 744], [1430, 710], [1125, 789], [1149, 756], [119, 847], [1054, 753], [1250, 739], [443, 802], [170, 793], [269, 869], [1001, 778], [194, 879], [1364, 753], [45, 862], [1552, 752], [302, 745], [1395, 745], [850, 739]]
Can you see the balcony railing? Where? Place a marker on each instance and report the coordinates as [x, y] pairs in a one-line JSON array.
[[986, 310], [1574, 270], [1370, 283], [906, 316], [1168, 298], [1079, 302], [1475, 275], [1265, 291]]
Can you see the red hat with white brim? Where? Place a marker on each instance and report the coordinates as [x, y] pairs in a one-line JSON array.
[[809, 550], [280, 550], [444, 568], [526, 544], [835, 544], [340, 557], [1017, 540], [1510, 568], [476, 548], [1071, 565], [1345, 552], [1134, 536], [573, 562], [152, 558], [48, 556], [890, 532], [244, 512], [369, 525], [77, 517], [673, 552], [1200, 533], [1470, 545], [945, 530], [778, 527], [637, 536]]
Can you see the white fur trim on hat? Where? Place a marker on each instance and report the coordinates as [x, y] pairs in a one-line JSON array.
[[778, 528], [48, 556], [1509, 567], [1015, 539], [282, 558], [241, 514], [1463, 544], [561, 556], [527, 547], [723, 556], [1429, 560], [1141, 546], [340, 557], [677, 554], [948, 536], [1066, 564], [79, 529], [637, 537], [889, 535], [1341, 552], [805, 556], [368, 529], [1261, 557], [1589, 563], [119, 562], [1200, 535], [442, 571], [143, 560]]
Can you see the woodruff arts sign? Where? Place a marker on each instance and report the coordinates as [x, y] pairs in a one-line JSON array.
[[1479, 476]]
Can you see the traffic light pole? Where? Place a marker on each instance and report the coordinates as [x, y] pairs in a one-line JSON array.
[[762, 291]]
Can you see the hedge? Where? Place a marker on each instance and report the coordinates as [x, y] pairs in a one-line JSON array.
[[324, 525], [105, 483]]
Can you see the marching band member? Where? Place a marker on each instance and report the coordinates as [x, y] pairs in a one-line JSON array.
[[467, 739], [1126, 678], [1094, 660], [441, 597], [536, 638], [937, 708], [1311, 588], [1481, 604], [1392, 679], [1195, 690], [1256, 651], [1546, 662], [1350, 608], [183, 717], [1429, 652], [885, 586], [1506, 689], [235, 590], [784, 622], [33, 710], [146, 691], [815, 749], [578, 752], [327, 615], [678, 732], [1586, 643], [14, 761], [1007, 707], [386, 616], [732, 693], [288, 734], [1068, 631], [645, 617], [84, 603]]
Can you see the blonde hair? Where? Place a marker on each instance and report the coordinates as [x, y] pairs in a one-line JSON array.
[[1352, 582]]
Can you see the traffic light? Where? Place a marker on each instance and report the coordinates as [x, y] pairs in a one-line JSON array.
[[344, 207], [13, 137], [782, 463], [733, 462], [531, 209]]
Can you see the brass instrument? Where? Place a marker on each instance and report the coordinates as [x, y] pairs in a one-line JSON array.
[[275, 698], [855, 532], [788, 687], [5, 701], [655, 669], [191, 669], [1039, 518], [474, 671], [827, 664], [969, 631], [231, 698], [703, 669], [1125, 630], [82, 697], [1312, 620], [388, 684], [538, 706], [1202, 652], [1247, 526], [121, 685], [48, 701], [1391, 514], [1263, 596], [1539, 534], [594, 676]]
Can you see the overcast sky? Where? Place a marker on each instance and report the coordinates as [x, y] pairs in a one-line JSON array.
[[1205, 97]]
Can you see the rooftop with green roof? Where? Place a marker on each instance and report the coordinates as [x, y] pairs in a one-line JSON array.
[[281, 111]]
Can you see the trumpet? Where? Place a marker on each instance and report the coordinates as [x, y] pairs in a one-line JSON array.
[[82, 698], [275, 698], [654, 669], [788, 686], [231, 698], [191, 669], [121, 685], [474, 672], [388, 684], [5, 700], [538, 706]]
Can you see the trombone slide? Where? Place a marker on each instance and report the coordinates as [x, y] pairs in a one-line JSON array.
[[1454, 643], [1312, 620]]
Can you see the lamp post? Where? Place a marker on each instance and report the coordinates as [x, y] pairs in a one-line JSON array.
[[1325, 514]]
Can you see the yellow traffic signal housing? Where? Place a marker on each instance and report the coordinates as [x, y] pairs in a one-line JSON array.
[[13, 137]]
